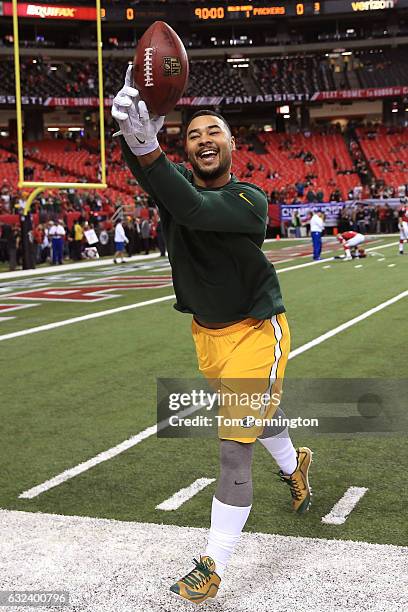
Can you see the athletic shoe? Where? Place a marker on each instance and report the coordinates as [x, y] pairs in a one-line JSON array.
[[299, 482], [199, 584]]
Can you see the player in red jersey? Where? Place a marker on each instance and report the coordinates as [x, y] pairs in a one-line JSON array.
[[403, 226], [350, 241]]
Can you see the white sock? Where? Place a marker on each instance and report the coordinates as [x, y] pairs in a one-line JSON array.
[[282, 450], [227, 523]]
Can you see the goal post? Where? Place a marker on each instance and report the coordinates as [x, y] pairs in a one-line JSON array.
[[39, 186]]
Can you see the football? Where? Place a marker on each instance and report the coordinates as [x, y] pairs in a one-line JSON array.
[[160, 68]]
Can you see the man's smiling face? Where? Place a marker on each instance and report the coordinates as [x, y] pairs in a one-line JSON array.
[[209, 147]]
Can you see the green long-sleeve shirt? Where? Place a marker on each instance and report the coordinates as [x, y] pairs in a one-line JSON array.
[[214, 239]]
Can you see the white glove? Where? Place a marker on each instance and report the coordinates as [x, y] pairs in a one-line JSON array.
[[136, 126]]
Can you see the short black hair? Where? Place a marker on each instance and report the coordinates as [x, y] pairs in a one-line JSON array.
[[207, 111]]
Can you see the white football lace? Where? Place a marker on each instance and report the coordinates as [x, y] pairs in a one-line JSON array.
[[148, 67]]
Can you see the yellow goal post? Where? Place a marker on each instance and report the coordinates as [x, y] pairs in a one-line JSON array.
[[38, 185]]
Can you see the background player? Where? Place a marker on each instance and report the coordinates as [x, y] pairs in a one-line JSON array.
[[350, 241], [214, 228], [120, 240], [403, 226]]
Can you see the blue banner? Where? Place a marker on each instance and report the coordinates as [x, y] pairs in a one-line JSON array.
[[330, 210]]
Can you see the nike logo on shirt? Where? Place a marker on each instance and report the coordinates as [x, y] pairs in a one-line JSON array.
[[243, 196]]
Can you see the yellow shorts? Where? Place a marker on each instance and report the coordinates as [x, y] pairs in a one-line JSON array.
[[245, 359]]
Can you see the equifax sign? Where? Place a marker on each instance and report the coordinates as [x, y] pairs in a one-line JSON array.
[[45, 11], [40, 10]]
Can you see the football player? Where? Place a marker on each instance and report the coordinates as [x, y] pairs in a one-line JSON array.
[[350, 241], [214, 226], [403, 225]]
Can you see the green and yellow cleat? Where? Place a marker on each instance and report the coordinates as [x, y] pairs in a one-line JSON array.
[[298, 482], [199, 584]]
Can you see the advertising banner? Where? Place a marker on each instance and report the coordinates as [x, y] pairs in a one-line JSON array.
[[49, 11], [331, 211]]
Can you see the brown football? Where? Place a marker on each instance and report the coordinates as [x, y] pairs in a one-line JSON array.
[[160, 68]]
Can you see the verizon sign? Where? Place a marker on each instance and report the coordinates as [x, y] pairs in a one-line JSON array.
[[373, 5], [48, 11]]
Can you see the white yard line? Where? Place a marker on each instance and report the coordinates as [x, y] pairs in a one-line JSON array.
[[75, 266], [304, 238], [308, 264], [119, 566], [109, 262], [101, 457], [340, 511], [180, 497], [92, 315], [104, 313], [87, 465], [325, 260], [332, 245], [116, 450], [346, 325]]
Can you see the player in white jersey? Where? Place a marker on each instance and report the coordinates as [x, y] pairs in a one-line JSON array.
[[403, 227]]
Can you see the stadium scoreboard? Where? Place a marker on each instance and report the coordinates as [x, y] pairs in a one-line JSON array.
[[203, 13], [210, 12], [249, 11], [213, 13]]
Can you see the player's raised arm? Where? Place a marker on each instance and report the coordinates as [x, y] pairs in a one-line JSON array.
[[140, 139]]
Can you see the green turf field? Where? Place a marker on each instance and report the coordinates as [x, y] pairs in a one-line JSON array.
[[73, 391]]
